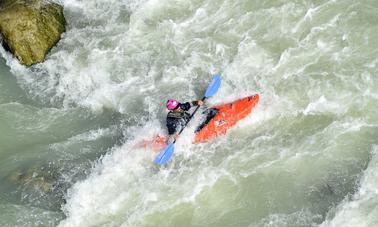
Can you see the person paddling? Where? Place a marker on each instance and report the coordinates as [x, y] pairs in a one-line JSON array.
[[178, 116], [164, 155]]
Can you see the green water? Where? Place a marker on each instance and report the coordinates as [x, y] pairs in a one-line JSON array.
[[43, 150], [307, 155]]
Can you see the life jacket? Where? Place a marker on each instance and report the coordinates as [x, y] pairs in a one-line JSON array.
[[178, 114], [176, 120]]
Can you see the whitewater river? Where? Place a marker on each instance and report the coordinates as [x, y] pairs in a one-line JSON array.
[[306, 156]]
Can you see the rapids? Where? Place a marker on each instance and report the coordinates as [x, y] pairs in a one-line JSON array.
[[306, 156]]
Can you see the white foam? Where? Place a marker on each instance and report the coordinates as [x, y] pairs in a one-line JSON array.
[[130, 56], [125, 187], [362, 209], [322, 105]]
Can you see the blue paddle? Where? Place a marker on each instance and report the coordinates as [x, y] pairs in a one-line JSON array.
[[164, 156]]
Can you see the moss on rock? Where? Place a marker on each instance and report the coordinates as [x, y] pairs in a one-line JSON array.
[[30, 28]]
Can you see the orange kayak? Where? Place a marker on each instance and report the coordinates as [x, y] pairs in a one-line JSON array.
[[226, 117], [218, 120]]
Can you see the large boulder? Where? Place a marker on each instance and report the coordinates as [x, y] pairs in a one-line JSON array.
[[30, 28]]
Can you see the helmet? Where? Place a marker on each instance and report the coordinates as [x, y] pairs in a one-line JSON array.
[[172, 104]]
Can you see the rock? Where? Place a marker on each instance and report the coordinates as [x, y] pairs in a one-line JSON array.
[[33, 179], [30, 28]]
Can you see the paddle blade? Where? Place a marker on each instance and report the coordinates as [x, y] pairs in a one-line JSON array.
[[164, 156], [214, 86]]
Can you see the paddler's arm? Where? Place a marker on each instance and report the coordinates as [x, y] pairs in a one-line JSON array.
[[197, 103], [186, 106]]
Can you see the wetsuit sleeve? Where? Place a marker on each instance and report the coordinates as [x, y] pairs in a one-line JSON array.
[[185, 106]]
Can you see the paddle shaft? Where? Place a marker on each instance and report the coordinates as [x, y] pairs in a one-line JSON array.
[[190, 118]]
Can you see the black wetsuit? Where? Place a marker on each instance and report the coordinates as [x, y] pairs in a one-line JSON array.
[[176, 119]]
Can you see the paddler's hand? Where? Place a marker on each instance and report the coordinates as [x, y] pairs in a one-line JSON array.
[[172, 138], [199, 102]]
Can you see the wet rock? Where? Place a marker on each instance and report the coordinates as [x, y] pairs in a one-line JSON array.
[[33, 179], [39, 185], [30, 28]]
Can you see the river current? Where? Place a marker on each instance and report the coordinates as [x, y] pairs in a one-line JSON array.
[[306, 156]]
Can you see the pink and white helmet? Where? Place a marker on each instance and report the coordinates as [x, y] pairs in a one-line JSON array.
[[172, 104]]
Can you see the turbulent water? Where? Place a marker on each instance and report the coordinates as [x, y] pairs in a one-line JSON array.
[[306, 156]]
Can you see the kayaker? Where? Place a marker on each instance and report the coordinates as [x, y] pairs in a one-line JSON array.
[[178, 116]]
